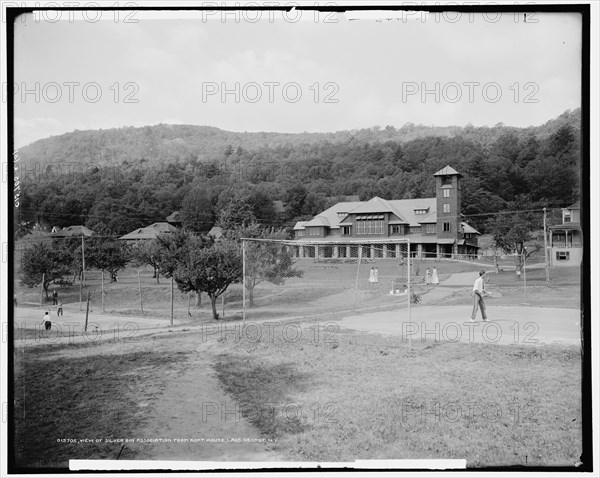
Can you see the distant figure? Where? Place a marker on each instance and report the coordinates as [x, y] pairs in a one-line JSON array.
[[428, 276], [59, 309], [372, 275], [478, 293], [46, 321], [376, 275], [113, 277], [435, 280], [54, 297]]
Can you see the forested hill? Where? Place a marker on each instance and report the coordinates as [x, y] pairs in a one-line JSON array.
[[183, 143], [114, 181]]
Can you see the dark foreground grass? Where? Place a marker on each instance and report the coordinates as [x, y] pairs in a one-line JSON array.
[[62, 402], [369, 397]]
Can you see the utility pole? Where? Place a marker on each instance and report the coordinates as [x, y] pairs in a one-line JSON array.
[[102, 290], [243, 280], [82, 261], [546, 252], [42, 289], [172, 298]]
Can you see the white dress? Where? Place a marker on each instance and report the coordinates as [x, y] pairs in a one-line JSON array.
[[434, 277]]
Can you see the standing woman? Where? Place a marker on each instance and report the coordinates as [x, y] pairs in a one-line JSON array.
[[434, 277], [428, 276]]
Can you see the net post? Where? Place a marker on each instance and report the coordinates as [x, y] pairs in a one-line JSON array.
[[243, 280], [408, 292], [357, 275]]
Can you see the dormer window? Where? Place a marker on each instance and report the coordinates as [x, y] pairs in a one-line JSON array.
[[567, 216], [419, 212], [342, 214]]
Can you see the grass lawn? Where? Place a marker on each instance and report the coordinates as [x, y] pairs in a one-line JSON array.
[[66, 394], [370, 397], [335, 396]]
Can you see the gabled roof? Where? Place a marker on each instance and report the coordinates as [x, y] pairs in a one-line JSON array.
[[174, 217], [330, 217], [403, 211], [374, 205], [448, 171], [73, 231], [216, 232], [405, 208], [575, 205], [149, 232], [468, 229], [318, 221], [299, 225]]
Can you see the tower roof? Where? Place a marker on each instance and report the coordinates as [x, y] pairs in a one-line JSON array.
[[448, 171]]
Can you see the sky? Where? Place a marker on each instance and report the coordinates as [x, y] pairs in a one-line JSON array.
[[321, 73]]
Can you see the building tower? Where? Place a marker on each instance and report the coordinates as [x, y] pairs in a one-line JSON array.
[[447, 192]]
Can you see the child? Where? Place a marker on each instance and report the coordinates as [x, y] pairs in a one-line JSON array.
[[59, 309]]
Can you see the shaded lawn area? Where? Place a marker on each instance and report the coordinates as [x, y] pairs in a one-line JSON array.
[[67, 394], [369, 397]]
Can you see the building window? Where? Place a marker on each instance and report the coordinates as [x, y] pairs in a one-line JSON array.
[[446, 207], [446, 227], [346, 230], [342, 214], [430, 228], [567, 216], [370, 224], [314, 231], [396, 229], [446, 180], [562, 255], [300, 233], [446, 193], [417, 229], [419, 212]]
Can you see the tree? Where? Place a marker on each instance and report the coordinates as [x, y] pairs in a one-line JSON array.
[[265, 261], [511, 231], [197, 213], [107, 254], [47, 261], [210, 269], [147, 253], [236, 213]]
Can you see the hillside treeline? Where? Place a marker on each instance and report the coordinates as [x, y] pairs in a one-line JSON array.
[[144, 175]]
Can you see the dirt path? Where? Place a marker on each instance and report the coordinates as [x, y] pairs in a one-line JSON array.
[[195, 409], [507, 325]]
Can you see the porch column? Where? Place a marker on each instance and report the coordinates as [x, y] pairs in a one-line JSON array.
[[397, 251], [420, 250], [437, 250], [301, 251], [317, 253], [385, 246], [347, 251], [335, 252], [372, 251]]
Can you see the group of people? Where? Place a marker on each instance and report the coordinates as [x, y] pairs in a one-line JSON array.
[[46, 322], [431, 277], [374, 275]]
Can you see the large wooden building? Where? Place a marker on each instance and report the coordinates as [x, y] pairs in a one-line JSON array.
[[433, 226]]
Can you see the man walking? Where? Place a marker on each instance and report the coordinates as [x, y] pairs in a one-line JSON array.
[[478, 294]]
